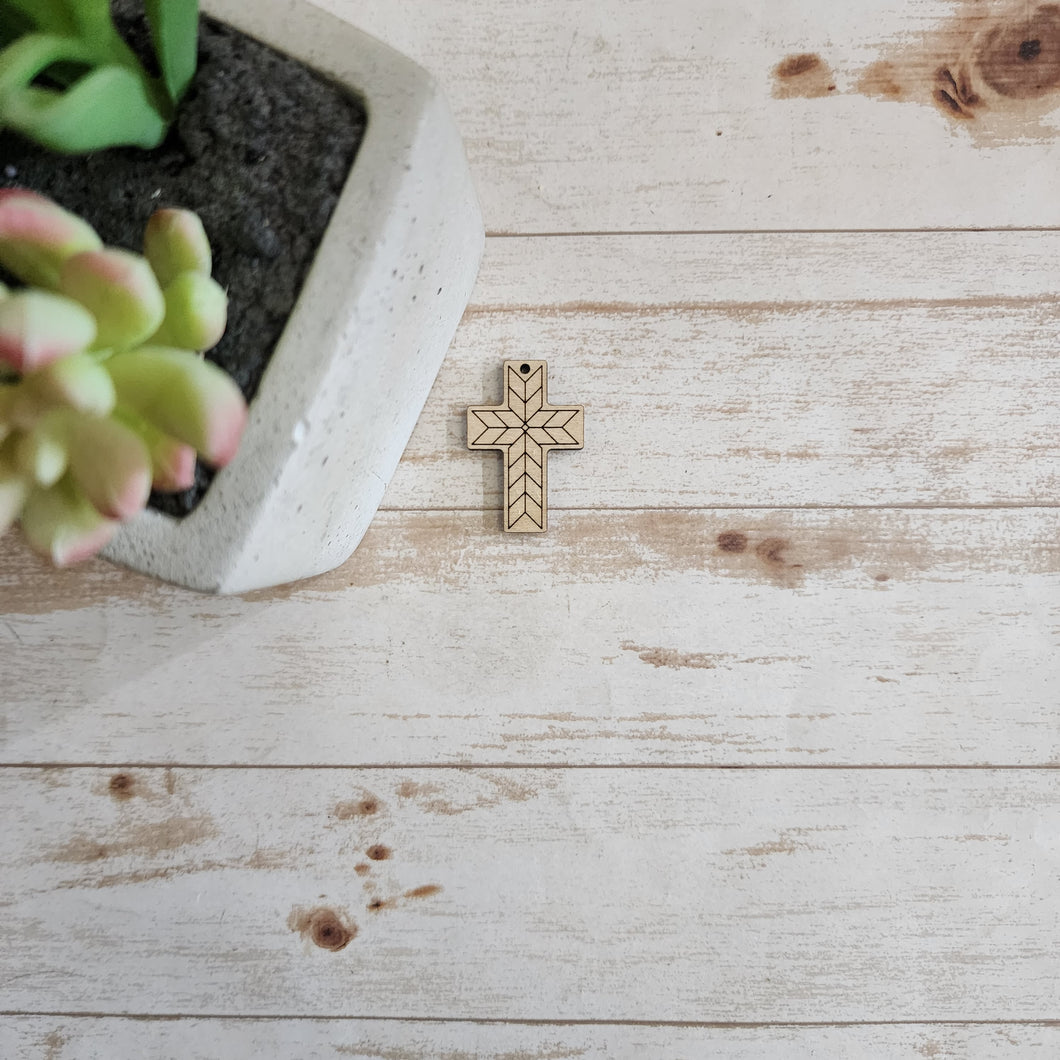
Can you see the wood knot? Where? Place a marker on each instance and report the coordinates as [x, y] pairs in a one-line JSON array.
[[428, 890], [805, 76], [732, 541], [324, 927], [121, 786], [954, 93], [365, 807], [771, 551], [1021, 58], [797, 65]]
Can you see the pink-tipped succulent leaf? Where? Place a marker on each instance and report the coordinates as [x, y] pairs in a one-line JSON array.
[[13, 492], [183, 396], [77, 382], [172, 461], [110, 465], [173, 465], [120, 291], [38, 327], [61, 524], [37, 236], [42, 453], [196, 313], [175, 242]]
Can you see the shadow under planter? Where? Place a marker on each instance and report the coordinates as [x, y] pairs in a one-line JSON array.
[[346, 378]]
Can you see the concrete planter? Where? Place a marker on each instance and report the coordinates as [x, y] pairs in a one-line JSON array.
[[362, 347]]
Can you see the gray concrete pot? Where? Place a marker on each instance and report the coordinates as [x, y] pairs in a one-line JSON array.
[[362, 347]]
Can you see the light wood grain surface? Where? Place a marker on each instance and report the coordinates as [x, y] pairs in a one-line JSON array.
[[754, 753]]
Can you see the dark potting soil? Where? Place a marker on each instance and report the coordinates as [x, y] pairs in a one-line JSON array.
[[260, 150]]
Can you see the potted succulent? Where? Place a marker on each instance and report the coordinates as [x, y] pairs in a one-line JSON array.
[[342, 381], [102, 389]]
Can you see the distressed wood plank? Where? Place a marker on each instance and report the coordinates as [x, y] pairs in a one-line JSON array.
[[112, 1038], [737, 637], [664, 115], [765, 370], [676, 895]]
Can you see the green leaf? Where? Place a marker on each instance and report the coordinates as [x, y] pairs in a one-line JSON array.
[[52, 16], [175, 35], [92, 23], [22, 61], [14, 24], [111, 107]]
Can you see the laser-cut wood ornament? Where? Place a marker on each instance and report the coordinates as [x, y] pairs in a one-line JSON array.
[[525, 429]]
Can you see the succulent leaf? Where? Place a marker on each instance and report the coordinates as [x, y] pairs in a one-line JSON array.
[[175, 35], [61, 524], [20, 407], [184, 396], [13, 486], [196, 313], [22, 61], [175, 242], [7, 404], [90, 21], [37, 236], [113, 106], [13, 492], [77, 382], [121, 292], [172, 465], [54, 42], [50, 15], [41, 453], [109, 463], [89, 416], [172, 462], [38, 327]]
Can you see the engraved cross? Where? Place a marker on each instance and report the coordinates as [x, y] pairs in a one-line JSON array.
[[525, 428]]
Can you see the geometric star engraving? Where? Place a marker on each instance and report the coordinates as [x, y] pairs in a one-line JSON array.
[[525, 429]]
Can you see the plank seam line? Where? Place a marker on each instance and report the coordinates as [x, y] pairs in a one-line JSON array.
[[1030, 506], [659, 232], [486, 1021], [615, 310], [466, 767]]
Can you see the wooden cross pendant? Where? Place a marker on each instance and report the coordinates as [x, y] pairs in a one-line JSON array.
[[524, 429]]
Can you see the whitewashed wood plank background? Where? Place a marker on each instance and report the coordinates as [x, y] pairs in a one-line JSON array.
[[831, 637], [660, 115], [898, 369], [814, 531], [675, 895], [56, 1038]]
